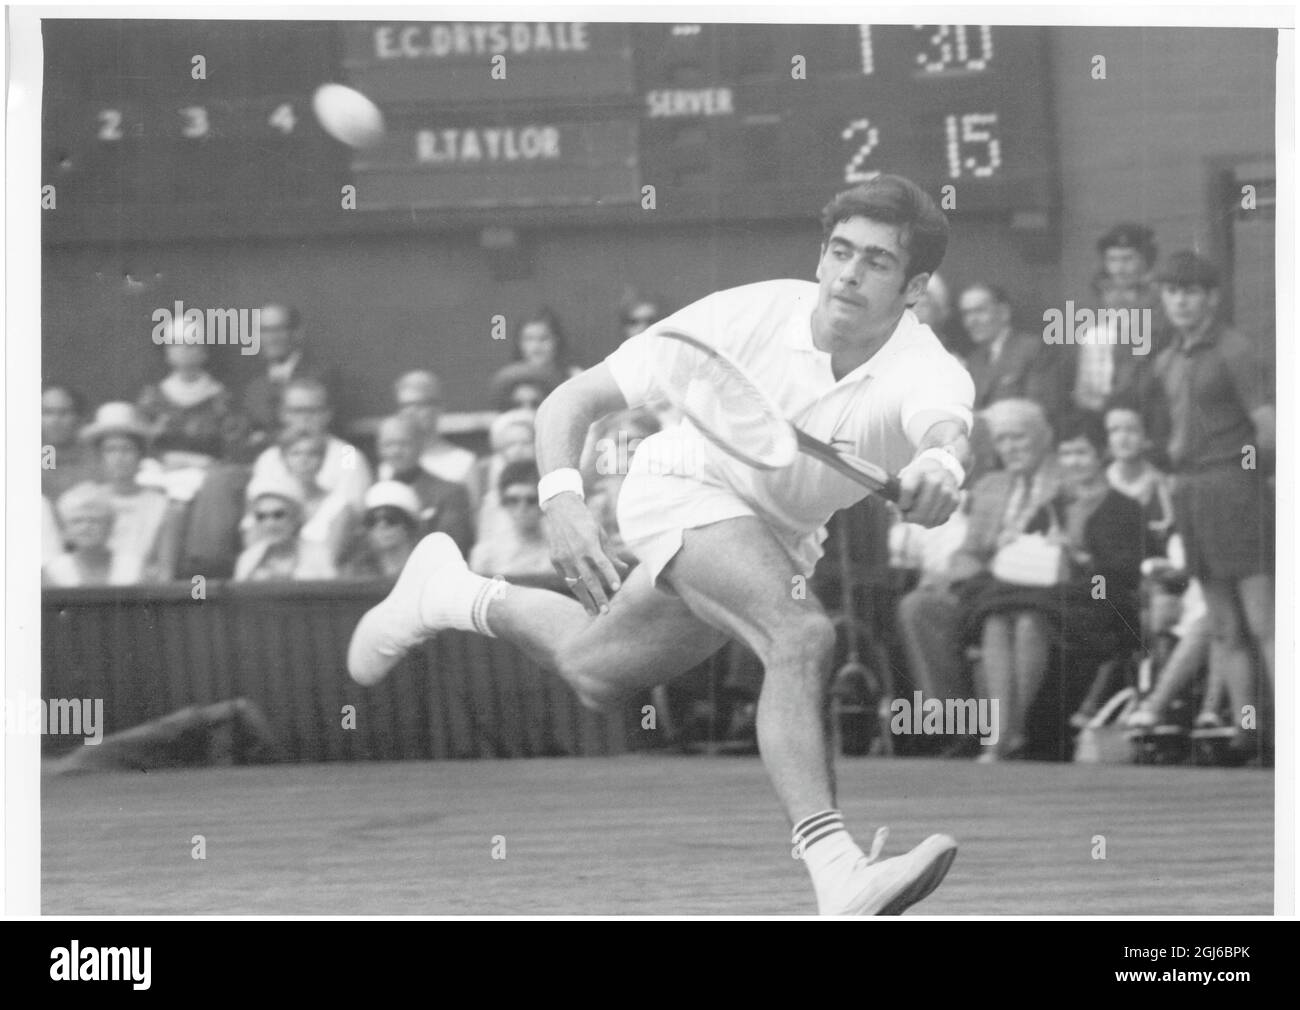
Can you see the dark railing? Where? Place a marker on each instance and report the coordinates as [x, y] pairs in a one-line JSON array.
[[149, 651]]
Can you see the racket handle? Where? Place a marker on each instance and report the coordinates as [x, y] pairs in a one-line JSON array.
[[890, 490]]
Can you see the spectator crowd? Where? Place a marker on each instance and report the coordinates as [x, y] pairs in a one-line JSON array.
[[1120, 501]]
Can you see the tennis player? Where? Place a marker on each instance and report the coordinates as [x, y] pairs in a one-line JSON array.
[[723, 548]]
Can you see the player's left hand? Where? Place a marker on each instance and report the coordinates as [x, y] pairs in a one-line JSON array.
[[928, 493]]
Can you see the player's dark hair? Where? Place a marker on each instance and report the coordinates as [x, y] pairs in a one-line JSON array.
[[551, 318], [521, 471], [1083, 424], [891, 199]]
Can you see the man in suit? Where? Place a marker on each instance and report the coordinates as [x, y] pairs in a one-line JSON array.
[[285, 358], [1008, 365]]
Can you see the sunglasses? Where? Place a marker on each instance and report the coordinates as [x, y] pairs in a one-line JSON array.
[[387, 517], [511, 500], [265, 517]]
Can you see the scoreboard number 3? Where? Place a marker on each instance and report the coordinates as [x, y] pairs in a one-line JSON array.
[[854, 170]]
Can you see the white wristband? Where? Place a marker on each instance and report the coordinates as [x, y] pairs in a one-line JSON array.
[[948, 461], [557, 482]]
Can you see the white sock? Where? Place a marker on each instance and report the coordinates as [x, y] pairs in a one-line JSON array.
[[830, 853], [460, 600]]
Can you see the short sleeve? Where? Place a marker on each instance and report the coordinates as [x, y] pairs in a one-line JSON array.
[[943, 391], [634, 363]]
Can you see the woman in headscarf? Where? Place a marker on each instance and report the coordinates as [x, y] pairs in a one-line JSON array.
[[277, 551]]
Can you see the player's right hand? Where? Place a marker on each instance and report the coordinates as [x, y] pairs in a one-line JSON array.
[[580, 553]]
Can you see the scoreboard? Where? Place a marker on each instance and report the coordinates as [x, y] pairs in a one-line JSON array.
[[536, 122]]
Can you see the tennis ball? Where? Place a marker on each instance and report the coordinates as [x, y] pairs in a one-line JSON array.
[[348, 116]]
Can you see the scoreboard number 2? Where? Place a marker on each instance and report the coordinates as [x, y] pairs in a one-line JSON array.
[[854, 170], [110, 125]]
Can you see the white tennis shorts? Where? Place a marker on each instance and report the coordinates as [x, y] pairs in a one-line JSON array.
[[655, 509]]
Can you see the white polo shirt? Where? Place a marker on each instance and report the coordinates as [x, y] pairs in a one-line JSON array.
[[879, 411]]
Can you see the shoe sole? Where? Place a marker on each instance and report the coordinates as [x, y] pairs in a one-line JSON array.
[[930, 877]]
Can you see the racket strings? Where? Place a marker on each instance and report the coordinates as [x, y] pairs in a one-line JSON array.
[[724, 403]]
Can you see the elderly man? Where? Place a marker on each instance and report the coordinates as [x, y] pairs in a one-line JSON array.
[[1005, 364], [444, 506], [285, 359], [419, 397], [305, 409]]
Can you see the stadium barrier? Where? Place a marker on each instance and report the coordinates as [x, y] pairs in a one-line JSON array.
[[149, 651]]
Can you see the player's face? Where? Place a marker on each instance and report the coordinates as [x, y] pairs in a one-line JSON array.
[[1188, 308], [1124, 435], [861, 273]]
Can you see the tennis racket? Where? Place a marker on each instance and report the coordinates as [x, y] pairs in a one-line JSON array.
[[718, 396]]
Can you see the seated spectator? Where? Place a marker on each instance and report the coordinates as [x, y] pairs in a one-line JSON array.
[[392, 529], [305, 409], [1090, 612], [51, 534], [65, 462], [511, 439], [328, 516], [638, 313], [419, 398], [87, 515], [1005, 364], [1000, 505], [934, 309], [1131, 473], [444, 506], [191, 422], [286, 357], [523, 386], [146, 527], [522, 549], [277, 551]]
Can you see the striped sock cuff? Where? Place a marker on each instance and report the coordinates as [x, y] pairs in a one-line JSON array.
[[490, 590], [816, 827]]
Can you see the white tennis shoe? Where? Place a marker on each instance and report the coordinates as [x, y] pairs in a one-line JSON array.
[[390, 629], [888, 886]]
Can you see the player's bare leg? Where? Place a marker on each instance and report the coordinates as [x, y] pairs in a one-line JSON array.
[[732, 579]]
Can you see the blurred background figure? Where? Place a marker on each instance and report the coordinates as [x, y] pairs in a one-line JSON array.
[[87, 517], [934, 309], [191, 421], [521, 549], [328, 516], [65, 461], [540, 341], [286, 356], [419, 398], [277, 552], [146, 526], [522, 386], [638, 313], [1001, 505], [444, 507], [511, 440], [305, 409], [392, 528], [1018, 625]]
